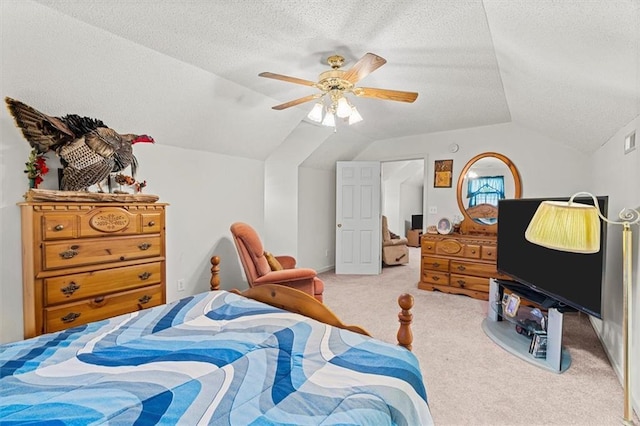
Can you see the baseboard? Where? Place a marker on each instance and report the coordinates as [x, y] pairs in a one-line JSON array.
[[616, 368], [326, 269]]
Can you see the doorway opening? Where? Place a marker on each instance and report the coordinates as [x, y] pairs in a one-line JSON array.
[[402, 194]]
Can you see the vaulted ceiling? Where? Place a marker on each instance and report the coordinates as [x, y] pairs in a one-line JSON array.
[[567, 69]]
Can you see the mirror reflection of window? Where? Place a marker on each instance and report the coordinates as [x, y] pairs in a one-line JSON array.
[[485, 190]]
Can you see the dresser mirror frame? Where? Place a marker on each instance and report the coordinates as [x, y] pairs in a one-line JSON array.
[[469, 225]]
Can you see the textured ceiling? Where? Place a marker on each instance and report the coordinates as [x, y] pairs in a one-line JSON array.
[[567, 69]]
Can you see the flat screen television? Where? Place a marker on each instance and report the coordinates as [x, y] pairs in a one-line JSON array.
[[416, 221], [564, 279]]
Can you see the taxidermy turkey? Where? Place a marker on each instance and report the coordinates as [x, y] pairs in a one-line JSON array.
[[88, 150]]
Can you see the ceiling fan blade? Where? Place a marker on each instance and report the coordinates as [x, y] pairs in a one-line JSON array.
[[365, 66], [297, 101], [389, 95], [287, 78]]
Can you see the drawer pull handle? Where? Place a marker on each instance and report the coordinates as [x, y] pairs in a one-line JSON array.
[[144, 276], [70, 289], [461, 268], [58, 227], [151, 223], [98, 299], [473, 252], [436, 264], [436, 278], [144, 299], [144, 246], [68, 254], [70, 317], [461, 283]]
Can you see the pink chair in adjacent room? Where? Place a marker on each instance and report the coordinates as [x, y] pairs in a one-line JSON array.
[[261, 267]]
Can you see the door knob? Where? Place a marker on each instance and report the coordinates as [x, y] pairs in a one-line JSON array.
[[339, 225]]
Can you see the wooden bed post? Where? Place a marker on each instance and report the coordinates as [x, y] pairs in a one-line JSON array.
[[215, 273], [405, 335]]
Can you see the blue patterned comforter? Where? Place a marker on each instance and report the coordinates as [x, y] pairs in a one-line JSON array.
[[213, 358]]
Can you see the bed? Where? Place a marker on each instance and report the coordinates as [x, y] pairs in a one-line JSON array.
[[219, 357]]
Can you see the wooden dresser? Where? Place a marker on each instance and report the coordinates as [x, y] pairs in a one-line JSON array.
[[86, 261], [460, 264]]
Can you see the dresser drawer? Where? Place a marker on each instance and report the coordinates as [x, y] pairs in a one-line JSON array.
[[470, 282], [57, 226], [478, 269], [105, 221], [434, 277], [450, 248], [435, 263], [99, 308], [472, 251], [428, 246], [490, 253], [152, 222], [70, 288], [101, 250]]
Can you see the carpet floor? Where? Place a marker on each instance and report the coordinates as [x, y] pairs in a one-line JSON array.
[[470, 380]]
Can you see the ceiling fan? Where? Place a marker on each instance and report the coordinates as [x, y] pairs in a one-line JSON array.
[[337, 82]]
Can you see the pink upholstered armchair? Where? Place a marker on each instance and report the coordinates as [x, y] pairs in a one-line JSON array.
[[262, 268]]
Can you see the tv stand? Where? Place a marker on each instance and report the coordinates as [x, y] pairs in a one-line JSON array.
[[502, 329], [534, 296]]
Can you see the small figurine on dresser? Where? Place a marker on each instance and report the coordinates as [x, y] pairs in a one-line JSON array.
[[457, 220], [121, 179], [89, 151]]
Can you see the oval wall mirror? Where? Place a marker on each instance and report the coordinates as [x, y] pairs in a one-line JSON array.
[[484, 180]]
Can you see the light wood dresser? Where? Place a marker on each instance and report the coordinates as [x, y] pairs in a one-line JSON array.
[[459, 264], [87, 261]]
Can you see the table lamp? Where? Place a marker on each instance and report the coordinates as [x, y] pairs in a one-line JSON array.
[[575, 227]]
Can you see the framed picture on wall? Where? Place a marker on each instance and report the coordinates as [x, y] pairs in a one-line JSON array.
[[443, 174]]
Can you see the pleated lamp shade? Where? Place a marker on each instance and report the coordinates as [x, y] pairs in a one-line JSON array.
[[572, 227]]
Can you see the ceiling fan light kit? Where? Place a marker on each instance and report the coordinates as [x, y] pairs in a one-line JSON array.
[[316, 112], [343, 109], [340, 107], [355, 116], [329, 120], [336, 83]]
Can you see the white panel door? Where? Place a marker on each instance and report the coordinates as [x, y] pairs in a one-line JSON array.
[[358, 227]]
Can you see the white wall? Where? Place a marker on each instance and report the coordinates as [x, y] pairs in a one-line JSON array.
[[618, 176], [400, 201], [132, 89], [280, 234], [401, 195], [316, 218], [411, 203], [547, 167], [391, 203]]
